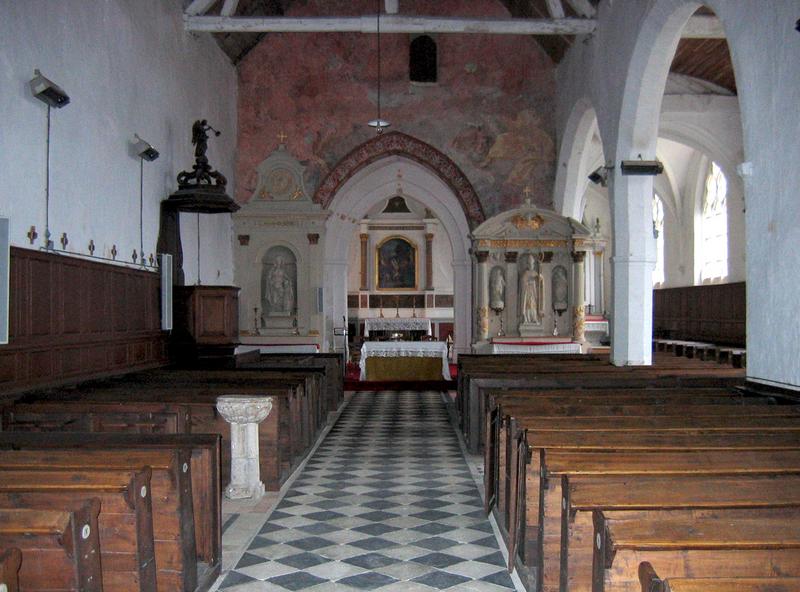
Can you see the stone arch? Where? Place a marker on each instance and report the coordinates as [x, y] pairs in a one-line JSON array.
[[367, 186], [400, 144], [573, 166]]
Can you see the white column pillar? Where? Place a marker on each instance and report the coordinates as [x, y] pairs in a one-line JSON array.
[[462, 307], [244, 413], [632, 278]]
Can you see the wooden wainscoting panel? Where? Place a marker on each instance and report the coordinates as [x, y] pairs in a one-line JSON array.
[[73, 319]]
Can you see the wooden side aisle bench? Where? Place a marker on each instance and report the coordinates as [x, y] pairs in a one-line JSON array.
[[124, 524], [205, 476], [728, 543], [59, 550], [172, 519], [581, 495], [651, 582], [9, 568]]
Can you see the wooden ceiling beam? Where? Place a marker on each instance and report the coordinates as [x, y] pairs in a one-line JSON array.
[[555, 9], [698, 27], [389, 24], [583, 8], [229, 8], [198, 7]]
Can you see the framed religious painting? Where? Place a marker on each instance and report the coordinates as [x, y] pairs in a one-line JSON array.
[[396, 262]]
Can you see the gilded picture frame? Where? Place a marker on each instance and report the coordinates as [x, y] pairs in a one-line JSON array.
[[396, 264]]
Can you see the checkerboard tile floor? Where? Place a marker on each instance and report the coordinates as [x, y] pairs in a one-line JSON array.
[[386, 503]]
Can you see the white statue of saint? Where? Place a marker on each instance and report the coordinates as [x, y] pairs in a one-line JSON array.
[[497, 290], [280, 293], [531, 285]]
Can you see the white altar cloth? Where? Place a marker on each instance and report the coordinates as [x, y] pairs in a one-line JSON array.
[[404, 349], [397, 324], [522, 348]]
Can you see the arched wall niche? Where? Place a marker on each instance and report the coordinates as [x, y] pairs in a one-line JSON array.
[[370, 181]]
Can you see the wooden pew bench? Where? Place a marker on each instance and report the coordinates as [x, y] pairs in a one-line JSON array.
[[585, 377], [9, 568], [534, 501], [736, 357], [172, 521], [583, 494], [696, 543], [651, 582], [57, 550], [504, 431], [205, 476]]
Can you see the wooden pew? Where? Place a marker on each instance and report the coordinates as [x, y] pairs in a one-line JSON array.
[[285, 436], [697, 543], [504, 426], [651, 582], [576, 374], [582, 495], [535, 500], [125, 522], [9, 569], [172, 509], [330, 362], [205, 477], [60, 549]]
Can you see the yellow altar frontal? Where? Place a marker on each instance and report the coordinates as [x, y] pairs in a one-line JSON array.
[[404, 360]]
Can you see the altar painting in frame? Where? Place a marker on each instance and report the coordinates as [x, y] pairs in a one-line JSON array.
[[396, 264]]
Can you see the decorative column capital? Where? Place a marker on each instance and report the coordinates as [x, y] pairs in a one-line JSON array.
[[578, 256], [482, 256], [313, 238], [364, 237], [429, 236], [244, 408], [511, 256]]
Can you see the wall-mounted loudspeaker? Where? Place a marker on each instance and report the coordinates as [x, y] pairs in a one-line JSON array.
[[5, 266], [165, 265], [319, 300]]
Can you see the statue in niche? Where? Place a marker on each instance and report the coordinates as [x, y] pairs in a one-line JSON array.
[[280, 293], [497, 289], [531, 290], [560, 289]]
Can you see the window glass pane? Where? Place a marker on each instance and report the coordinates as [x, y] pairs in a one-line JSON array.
[[714, 226]]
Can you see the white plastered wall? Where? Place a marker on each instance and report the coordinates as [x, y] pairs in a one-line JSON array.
[[622, 69], [128, 68]]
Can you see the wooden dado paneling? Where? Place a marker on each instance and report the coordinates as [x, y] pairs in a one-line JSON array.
[[72, 319], [714, 313]]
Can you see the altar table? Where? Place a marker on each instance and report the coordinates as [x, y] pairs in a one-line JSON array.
[[404, 360]]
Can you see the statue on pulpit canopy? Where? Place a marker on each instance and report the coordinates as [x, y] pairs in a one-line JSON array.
[[531, 290]]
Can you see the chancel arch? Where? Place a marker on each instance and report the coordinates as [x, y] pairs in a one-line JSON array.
[[369, 190]]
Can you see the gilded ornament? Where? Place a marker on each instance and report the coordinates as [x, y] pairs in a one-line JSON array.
[[527, 222]]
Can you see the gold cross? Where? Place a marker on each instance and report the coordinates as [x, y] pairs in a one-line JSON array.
[[282, 137]]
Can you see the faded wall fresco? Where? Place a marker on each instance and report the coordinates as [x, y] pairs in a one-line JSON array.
[[491, 110]]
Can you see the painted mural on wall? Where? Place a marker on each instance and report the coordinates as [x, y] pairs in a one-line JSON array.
[[491, 110]]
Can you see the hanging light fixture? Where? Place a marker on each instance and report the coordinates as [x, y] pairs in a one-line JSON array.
[[379, 123]]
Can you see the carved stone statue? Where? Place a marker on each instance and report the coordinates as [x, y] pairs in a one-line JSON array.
[[497, 289], [280, 293], [531, 291]]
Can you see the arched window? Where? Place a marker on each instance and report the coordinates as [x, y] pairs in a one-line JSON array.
[[422, 59], [658, 230], [714, 227]]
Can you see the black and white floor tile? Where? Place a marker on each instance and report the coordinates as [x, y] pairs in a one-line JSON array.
[[387, 502]]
